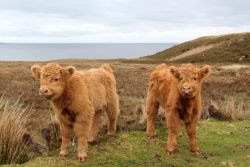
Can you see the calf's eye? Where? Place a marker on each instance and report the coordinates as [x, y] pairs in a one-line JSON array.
[[195, 78], [55, 79]]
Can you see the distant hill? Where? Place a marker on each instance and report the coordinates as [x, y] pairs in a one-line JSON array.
[[223, 48]]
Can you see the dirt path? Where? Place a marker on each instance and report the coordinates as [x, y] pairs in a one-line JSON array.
[[235, 66], [192, 51]]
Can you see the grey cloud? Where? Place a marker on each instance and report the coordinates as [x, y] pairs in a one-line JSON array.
[[123, 20]]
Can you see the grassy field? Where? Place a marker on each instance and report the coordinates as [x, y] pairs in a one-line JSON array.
[[225, 143]]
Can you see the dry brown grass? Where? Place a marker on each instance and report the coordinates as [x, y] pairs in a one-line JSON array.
[[132, 82], [13, 125], [231, 109]]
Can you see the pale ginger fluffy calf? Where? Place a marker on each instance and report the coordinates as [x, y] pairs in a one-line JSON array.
[[178, 91], [78, 98]]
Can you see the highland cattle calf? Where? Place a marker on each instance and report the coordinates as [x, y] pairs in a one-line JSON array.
[[78, 99], [178, 91]]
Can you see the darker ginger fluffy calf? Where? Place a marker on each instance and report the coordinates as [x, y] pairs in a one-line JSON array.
[[178, 91]]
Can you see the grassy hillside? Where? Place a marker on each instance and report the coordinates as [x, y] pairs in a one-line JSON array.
[[225, 48]]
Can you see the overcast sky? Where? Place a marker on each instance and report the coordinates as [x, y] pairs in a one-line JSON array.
[[120, 20]]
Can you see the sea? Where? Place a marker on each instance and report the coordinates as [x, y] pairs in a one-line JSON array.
[[55, 51]]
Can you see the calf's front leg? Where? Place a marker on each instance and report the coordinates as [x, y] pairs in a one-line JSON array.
[[173, 124], [191, 132], [66, 133], [81, 129]]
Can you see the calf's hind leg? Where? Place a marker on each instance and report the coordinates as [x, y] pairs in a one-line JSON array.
[[95, 126], [152, 110], [113, 113]]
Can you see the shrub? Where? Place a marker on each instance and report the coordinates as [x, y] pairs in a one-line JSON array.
[[13, 119], [229, 109]]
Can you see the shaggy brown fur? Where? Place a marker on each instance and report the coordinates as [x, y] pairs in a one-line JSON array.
[[78, 98], [178, 91]]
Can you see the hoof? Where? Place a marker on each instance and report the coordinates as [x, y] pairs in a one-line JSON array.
[[63, 156], [81, 157], [111, 133], [151, 137], [170, 152], [92, 140], [197, 152]]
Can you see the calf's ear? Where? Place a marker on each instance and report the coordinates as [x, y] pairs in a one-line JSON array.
[[70, 70], [174, 71], [205, 71], [36, 71]]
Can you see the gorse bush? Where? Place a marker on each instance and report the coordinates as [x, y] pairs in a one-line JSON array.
[[13, 121]]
